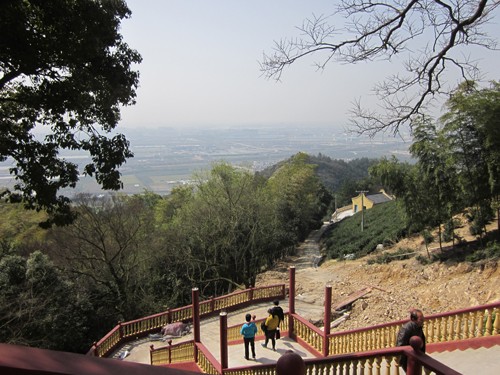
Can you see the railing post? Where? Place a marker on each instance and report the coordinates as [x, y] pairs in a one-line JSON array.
[[96, 351], [250, 294], [290, 363], [291, 300], [169, 316], [413, 366], [223, 340], [212, 304], [169, 351], [328, 315], [151, 349], [120, 330], [196, 314]]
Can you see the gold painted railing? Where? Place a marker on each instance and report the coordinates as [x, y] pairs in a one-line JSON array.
[[311, 334], [150, 324], [452, 326], [183, 352], [375, 365], [384, 361], [206, 362]]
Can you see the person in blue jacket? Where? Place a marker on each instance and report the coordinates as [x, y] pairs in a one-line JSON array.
[[248, 330]]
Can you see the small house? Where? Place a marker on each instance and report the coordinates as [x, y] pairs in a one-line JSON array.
[[368, 201]]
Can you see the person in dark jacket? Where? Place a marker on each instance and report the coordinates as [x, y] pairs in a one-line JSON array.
[[278, 311], [410, 329]]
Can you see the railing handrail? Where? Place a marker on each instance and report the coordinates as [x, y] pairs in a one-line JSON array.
[[429, 317], [423, 359], [308, 324], [251, 291]]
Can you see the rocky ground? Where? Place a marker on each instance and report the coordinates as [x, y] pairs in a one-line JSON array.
[[405, 284]]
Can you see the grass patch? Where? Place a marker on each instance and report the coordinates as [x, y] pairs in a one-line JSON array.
[[383, 224], [389, 257]]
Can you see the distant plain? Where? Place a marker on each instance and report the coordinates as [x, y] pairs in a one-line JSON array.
[[167, 157]]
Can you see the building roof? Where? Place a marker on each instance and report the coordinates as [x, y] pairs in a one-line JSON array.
[[378, 198]]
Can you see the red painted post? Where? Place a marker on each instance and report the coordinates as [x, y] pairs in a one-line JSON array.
[[291, 291], [169, 351], [291, 301], [328, 316], [169, 316], [212, 304], [413, 367], [290, 363], [120, 330], [96, 351], [223, 340], [196, 314], [250, 293]]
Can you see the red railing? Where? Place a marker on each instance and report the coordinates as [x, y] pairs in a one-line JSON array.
[[128, 331], [456, 325], [372, 362]]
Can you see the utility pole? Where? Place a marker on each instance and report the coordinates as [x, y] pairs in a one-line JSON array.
[[362, 192]]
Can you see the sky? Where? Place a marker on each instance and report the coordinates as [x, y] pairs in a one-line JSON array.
[[201, 66]]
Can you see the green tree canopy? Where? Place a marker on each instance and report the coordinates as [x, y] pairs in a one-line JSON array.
[[64, 66]]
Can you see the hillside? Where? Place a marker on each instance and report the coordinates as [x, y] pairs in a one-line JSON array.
[[332, 172], [434, 288]]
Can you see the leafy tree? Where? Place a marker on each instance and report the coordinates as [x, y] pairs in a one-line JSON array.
[[471, 126], [297, 190], [38, 307], [109, 245], [425, 33], [63, 66]]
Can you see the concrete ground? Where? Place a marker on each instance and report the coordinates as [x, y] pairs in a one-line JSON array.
[[210, 334]]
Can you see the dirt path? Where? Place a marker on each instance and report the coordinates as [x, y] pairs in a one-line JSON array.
[[434, 288]]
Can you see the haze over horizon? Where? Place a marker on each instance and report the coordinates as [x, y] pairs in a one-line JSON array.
[[201, 66]]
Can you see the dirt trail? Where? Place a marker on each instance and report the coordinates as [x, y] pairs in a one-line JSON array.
[[434, 288]]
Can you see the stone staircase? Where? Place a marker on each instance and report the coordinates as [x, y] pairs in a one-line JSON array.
[[481, 361]]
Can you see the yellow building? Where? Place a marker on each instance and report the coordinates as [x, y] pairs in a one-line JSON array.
[[370, 200]]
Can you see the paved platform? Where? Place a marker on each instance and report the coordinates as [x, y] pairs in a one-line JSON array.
[[480, 361], [210, 334]]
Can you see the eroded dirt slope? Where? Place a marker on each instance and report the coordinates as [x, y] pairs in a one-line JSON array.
[[434, 288]]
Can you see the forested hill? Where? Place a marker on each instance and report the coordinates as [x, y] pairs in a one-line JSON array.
[[332, 172]]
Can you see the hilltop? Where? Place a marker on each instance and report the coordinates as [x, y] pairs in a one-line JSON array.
[[433, 288]]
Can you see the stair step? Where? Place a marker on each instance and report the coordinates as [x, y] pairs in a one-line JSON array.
[[480, 361]]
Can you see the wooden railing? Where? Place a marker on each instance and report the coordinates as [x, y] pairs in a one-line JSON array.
[[308, 333], [206, 361], [183, 352], [451, 326], [383, 361], [124, 332]]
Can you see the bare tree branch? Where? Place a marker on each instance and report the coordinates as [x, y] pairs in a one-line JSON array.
[[381, 30]]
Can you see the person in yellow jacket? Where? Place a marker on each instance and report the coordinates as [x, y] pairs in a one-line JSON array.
[[272, 323]]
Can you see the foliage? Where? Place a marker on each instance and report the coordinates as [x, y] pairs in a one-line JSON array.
[[333, 173], [423, 33], [65, 67], [19, 229], [39, 307], [108, 244], [383, 225], [457, 164]]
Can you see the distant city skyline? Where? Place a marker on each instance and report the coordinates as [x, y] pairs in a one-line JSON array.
[[201, 68]]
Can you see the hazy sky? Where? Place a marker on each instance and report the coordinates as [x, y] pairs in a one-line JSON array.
[[201, 66]]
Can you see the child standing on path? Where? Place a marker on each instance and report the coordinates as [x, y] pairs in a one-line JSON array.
[[248, 330]]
